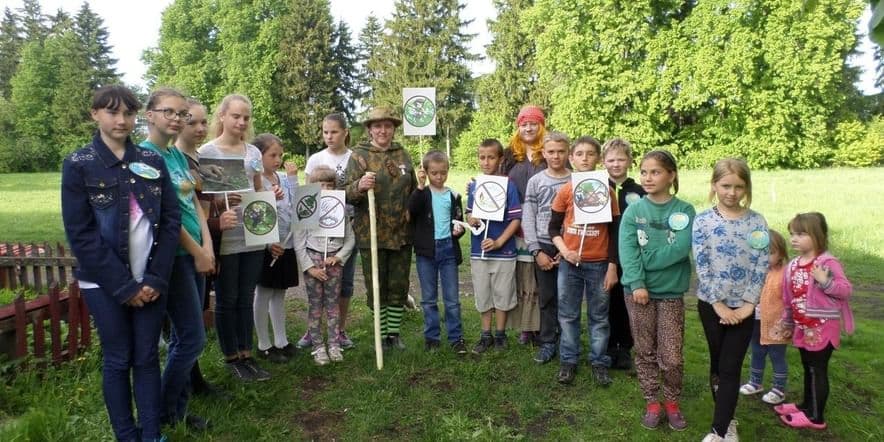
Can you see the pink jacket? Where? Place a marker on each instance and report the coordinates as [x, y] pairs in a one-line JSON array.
[[823, 302]]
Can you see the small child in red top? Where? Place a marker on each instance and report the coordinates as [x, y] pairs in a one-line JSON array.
[[815, 292]]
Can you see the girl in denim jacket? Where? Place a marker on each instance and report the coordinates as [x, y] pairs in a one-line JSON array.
[[122, 222], [815, 292]]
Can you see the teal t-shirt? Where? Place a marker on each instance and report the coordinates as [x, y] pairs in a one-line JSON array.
[[184, 187], [442, 213]]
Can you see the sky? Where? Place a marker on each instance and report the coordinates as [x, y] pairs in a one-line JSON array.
[[134, 26]]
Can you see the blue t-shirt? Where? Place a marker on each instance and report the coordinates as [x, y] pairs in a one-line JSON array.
[[442, 213], [513, 210], [185, 186]]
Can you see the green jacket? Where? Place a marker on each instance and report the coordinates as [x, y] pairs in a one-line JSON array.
[[655, 247], [395, 179]]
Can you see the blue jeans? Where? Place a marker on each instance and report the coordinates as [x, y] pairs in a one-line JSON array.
[[129, 338], [430, 271], [588, 278], [234, 296], [188, 336], [777, 353]]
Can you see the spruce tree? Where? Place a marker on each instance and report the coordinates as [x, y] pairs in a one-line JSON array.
[[92, 34], [33, 21], [11, 42], [344, 59], [369, 42]]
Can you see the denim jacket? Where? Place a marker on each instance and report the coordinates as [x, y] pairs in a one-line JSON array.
[[95, 188]]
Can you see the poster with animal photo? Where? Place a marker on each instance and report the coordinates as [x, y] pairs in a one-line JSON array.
[[259, 218], [592, 197], [332, 213], [220, 175], [306, 203], [489, 197]]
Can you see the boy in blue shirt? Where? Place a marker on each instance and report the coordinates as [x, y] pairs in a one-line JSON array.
[[493, 259]]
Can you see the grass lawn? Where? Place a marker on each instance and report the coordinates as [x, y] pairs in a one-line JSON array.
[[501, 395]]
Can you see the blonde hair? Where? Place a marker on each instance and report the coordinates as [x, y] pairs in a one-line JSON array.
[[617, 145], [216, 128], [814, 225], [519, 147], [556, 137], [738, 167]]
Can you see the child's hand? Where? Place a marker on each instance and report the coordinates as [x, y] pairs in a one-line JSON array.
[[291, 169], [641, 296], [456, 230], [473, 221], [228, 220], [611, 277], [544, 261], [821, 274], [204, 261], [146, 295], [318, 273], [571, 256], [725, 314], [421, 178], [332, 261], [489, 244], [744, 311], [277, 192], [276, 250]]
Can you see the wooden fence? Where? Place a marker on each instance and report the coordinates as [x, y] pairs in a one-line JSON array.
[[45, 270]]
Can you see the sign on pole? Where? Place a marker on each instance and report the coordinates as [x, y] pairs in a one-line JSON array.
[[306, 203], [419, 111], [489, 197], [332, 213], [222, 175], [259, 218], [592, 197]]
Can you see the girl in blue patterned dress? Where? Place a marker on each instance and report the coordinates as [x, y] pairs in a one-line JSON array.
[[730, 244]]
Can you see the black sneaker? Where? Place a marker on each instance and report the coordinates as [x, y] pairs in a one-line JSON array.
[[197, 423], [258, 373], [566, 373], [499, 342], [396, 342], [485, 342], [459, 346], [273, 355], [600, 374], [431, 345], [240, 371], [289, 351]]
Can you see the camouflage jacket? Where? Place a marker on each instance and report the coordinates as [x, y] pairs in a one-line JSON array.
[[395, 179]]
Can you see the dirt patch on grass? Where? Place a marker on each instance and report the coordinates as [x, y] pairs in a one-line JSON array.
[[541, 425], [427, 378], [320, 425], [313, 385]]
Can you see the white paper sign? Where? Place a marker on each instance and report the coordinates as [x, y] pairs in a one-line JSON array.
[[259, 218], [419, 111], [489, 197], [592, 197], [306, 205], [221, 175], [332, 213]]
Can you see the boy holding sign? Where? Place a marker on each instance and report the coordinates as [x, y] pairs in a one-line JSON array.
[[493, 252], [589, 250]]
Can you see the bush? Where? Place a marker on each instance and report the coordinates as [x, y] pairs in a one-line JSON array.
[[860, 145], [484, 125]]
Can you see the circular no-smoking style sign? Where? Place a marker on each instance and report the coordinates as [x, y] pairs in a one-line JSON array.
[[331, 212], [259, 217], [419, 111], [490, 196], [306, 207], [591, 195]]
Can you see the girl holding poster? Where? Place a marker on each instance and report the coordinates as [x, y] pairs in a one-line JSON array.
[[240, 265], [280, 269]]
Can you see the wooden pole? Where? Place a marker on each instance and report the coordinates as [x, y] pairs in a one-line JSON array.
[[375, 287]]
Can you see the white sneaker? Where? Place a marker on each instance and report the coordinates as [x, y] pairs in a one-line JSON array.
[[731, 435], [320, 357], [774, 397], [334, 353], [712, 437], [749, 388]]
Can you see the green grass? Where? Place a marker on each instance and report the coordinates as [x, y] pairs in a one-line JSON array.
[[422, 396]]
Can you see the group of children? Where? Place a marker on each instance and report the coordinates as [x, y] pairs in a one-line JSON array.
[[145, 236]]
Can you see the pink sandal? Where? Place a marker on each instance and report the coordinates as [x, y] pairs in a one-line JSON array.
[[800, 420], [784, 409]]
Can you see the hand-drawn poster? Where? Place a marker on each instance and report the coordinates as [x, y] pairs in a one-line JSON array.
[[489, 197], [306, 204], [332, 213], [592, 197], [221, 175], [259, 218], [419, 111]]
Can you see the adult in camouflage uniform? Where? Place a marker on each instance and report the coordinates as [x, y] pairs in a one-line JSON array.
[[393, 179]]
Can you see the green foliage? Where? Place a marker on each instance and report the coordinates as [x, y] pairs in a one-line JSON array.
[[10, 44], [368, 45], [860, 145], [345, 57], [425, 46], [93, 36], [484, 125]]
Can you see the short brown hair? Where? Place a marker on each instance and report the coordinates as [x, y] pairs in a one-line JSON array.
[[323, 174], [493, 142], [778, 246], [814, 225], [586, 139], [434, 156]]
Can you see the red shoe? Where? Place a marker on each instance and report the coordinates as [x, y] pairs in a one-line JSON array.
[[800, 420]]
